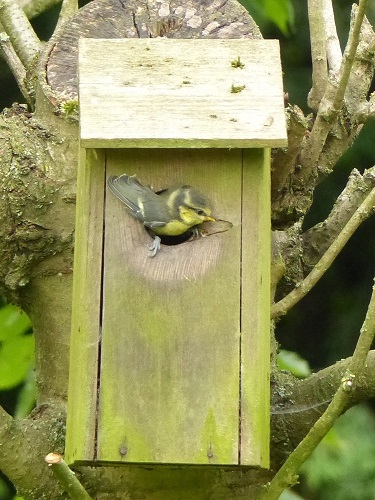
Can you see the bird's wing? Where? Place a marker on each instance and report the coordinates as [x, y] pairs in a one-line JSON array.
[[154, 209], [127, 189], [141, 201], [154, 223]]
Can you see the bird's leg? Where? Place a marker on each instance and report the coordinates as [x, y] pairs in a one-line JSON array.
[[196, 232], [155, 246]]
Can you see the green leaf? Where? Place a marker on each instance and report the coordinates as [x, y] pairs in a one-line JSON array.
[[292, 362], [4, 490], [13, 322], [280, 12], [16, 359], [26, 396]]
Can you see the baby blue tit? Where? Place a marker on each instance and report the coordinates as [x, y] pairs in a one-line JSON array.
[[170, 212]]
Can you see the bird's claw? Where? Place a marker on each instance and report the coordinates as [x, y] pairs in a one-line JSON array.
[[155, 246], [196, 232]]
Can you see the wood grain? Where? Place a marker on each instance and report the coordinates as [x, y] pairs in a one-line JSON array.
[[184, 365], [170, 345], [86, 312], [179, 93], [255, 308], [180, 341]]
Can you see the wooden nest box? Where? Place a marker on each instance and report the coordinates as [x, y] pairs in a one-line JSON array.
[[170, 354]]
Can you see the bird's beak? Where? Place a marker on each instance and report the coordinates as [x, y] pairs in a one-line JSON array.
[[209, 219]]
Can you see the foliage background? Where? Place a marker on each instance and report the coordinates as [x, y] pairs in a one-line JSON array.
[[322, 328]]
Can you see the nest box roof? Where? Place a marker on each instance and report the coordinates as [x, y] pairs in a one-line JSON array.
[[171, 93]]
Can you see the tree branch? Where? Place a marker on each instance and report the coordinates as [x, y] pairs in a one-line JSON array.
[[284, 164], [329, 137], [295, 254], [21, 441], [318, 53], [366, 111], [15, 64], [334, 55], [67, 477], [297, 404], [321, 385], [287, 474], [68, 9], [32, 8], [333, 99], [363, 211], [349, 54], [317, 240], [22, 36]]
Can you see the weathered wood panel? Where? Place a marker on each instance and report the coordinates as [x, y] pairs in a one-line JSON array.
[[129, 87], [255, 308], [169, 388], [86, 312]]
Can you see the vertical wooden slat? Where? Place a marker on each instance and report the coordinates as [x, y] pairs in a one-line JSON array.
[[255, 308], [81, 419], [171, 325]]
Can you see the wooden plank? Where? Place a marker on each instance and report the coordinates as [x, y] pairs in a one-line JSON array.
[[181, 93], [171, 325], [255, 309], [82, 400]]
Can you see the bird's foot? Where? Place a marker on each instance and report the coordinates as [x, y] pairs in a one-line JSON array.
[[196, 232], [155, 246]]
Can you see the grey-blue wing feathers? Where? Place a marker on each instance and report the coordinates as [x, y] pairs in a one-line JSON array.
[[140, 200]]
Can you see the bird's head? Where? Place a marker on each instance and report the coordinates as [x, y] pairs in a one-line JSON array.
[[192, 216], [192, 206]]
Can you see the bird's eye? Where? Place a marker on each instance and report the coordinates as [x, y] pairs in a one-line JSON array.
[[200, 212]]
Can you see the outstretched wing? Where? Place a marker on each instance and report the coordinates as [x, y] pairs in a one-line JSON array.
[[140, 200]]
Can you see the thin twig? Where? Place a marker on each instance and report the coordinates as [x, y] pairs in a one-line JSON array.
[[22, 36], [14, 64], [285, 304], [33, 8], [349, 54], [287, 474], [66, 477], [68, 9]]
